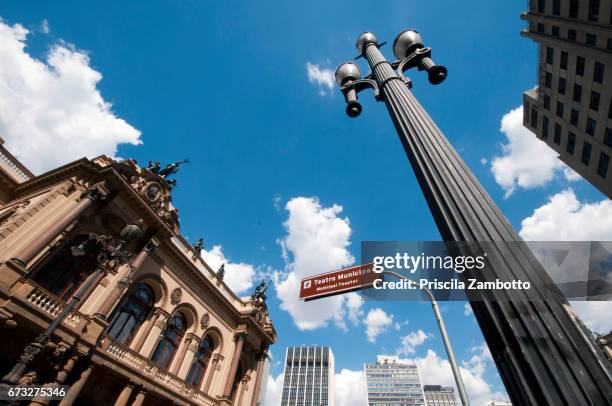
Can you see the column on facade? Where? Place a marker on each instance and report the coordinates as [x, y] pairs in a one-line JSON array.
[[182, 368], [59, 380], [214, 362], [244, 386], [155, 316], [140, 398], [151, 339], [261, 361], [76, 388], [124, 396], [239, 338], [126, 272], [189, 344], [23, 257]]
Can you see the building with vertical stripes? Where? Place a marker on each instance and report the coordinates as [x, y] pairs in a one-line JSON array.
[[309, 376]]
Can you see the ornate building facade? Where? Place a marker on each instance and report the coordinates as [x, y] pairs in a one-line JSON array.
[[141, 319]]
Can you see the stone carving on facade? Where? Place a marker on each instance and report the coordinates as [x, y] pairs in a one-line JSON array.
[[204, 320], [14, 211], [176, 296], [154, 188]]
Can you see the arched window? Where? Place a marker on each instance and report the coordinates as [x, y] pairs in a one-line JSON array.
[[130, 313], [200, 362], [170, 340], [63, 273]]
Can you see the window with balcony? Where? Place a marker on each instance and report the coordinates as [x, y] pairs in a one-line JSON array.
[[63, 273], [200, 362], [130, 313], [170, 340]]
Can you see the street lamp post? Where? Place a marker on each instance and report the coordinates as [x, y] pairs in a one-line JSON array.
[[445, 339], [541, 354], [112, 254]]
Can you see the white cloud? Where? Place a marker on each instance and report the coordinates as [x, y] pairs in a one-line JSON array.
[[410, 342], [274, 390], [596, 315], [467, 310], [565, 218], [350, 388], [483, 161], [324, 78], [377, 322], [437, 371], [526, 161], [44, 26], [238, 276], [51, 111], [317, 241]]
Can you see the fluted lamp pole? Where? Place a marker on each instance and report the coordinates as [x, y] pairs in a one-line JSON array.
[[542, 355]]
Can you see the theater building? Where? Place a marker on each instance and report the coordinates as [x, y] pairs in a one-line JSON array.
[[158, 326]]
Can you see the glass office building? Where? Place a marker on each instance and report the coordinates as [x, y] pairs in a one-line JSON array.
[[437, 395], [309, 374], [393, 381]]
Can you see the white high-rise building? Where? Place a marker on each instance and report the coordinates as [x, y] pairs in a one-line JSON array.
[[309, 375], [393, 381]]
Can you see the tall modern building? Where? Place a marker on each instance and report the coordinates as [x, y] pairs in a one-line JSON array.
[[309, 376], [571, 109], [393, 381], [436, 395]]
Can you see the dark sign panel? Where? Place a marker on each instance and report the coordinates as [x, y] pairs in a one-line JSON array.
[[336, 282]]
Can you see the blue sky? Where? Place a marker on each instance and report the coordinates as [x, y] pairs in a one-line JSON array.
[[225, 84]]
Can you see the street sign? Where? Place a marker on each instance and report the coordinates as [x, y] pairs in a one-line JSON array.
[[337, 282]]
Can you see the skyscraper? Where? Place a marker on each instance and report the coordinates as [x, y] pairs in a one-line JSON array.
[[436, 395], [393, 381], [309, 375], [571, 109]]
